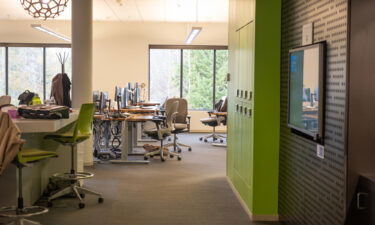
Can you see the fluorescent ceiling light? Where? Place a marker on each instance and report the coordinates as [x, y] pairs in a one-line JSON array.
[[193, 34], [50, 32]]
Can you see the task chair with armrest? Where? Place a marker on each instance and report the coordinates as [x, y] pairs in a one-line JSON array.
[[18, 214], [164, 127], [181, 123], [81, 131], [216, 120]]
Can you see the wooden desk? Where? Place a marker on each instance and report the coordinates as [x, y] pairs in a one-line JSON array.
[[138, 110], [148, 103], [220, 113]]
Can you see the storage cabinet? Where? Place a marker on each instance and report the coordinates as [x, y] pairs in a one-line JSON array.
[[250, 151]]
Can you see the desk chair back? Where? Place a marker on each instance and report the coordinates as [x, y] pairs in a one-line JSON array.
[[171, 110], [83, 126], [182, 110], [224, 105]]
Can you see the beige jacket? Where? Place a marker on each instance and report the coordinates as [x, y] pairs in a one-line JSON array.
[[10, 141]]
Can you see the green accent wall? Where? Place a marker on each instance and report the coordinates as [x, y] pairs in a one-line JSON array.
[[253, 138]]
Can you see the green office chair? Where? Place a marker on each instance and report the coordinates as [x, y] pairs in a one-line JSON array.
[[81, 131], [20, 212]]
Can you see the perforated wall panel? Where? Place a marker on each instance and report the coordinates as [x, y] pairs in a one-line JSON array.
[[312, 190]]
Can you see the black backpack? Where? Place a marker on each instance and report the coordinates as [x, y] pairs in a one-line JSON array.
[[26, 97]]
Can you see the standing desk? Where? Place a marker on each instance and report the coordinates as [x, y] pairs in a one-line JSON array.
[[127, 139]]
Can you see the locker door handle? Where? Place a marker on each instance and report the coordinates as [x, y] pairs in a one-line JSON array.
[[238, 92], [250, 95], [245, 111], [241, 109], [250, 113], [362, 198], [241, 93], [246, 94], [237, 107]]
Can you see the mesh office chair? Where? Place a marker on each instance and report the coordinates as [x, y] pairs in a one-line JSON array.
[[164, 127], [80, 132], [214, 121], [181, 123]]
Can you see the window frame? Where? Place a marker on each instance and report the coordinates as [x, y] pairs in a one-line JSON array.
[[29, 45], [182, 48]]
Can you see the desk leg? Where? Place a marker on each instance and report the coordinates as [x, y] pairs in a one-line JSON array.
[[127, 145]]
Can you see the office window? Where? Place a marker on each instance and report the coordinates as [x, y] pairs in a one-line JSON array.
[[203, 74], [221, 85], [53, 65], [198, 78], [25, 71], [30, 67], [165, 67], [2, 71]]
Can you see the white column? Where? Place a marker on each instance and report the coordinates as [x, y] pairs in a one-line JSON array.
[[82, 67]]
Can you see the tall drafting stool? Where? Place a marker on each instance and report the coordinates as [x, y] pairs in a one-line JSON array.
[[181, 123], [80, 132], [214, 121], [18, 214], [164, 127]]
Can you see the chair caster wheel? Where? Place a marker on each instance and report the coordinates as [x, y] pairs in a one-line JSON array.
[[221, 141], [49, 204], [82, 195], [151, 156], [179, 158], [100, 200], [200, 139], [179, 150], [162, 159], [81, 205], [189, 149], [171, 156], [205, 140], [145, 158], [214, 139]]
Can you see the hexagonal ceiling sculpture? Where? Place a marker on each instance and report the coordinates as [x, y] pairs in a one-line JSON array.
[[44, 9]]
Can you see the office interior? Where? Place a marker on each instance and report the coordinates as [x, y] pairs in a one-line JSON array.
[[187, 112]]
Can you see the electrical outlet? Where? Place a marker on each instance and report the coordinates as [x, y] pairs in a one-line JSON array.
[[320, 151]]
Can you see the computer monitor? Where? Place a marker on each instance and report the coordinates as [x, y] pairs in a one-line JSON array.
[[306, 90], [96, 99], [124, 97], [103, 101]]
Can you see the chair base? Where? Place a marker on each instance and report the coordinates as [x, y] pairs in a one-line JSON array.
[[18, 216], [177, 146], [161, 153], [22, 221], [214, 137], [75, 189]]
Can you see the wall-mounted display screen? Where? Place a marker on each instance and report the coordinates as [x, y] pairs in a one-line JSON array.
[[306, 89]]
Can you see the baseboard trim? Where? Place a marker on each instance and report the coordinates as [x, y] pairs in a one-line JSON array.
[[268, 218]]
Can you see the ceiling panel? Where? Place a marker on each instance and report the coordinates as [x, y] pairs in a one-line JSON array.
[[136, 10]]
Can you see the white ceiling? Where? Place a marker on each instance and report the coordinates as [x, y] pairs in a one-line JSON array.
[[136, 10]]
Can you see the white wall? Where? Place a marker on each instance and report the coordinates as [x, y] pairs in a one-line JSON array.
[[121, 48]]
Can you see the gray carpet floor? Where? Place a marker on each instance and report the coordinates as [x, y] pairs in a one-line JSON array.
[[193, 191]]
